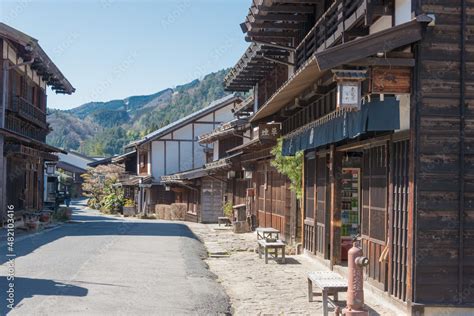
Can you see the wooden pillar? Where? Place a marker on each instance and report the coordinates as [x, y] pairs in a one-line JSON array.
[[3, 188], [3, 160], [335, 177], [390, 236], [303, 198]]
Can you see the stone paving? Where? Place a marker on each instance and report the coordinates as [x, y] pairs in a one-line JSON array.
[[273, 289]]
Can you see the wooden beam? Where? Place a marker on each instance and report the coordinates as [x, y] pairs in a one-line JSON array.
[[279, 17], [275, 25], [382, 41], [313, 2], [375, 61], [335, 177], [284, 47], [284, 34], [279, 61], [282, 41], [286, 9]]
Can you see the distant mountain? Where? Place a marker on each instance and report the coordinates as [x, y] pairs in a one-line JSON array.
[[103, 128], [130, 104]]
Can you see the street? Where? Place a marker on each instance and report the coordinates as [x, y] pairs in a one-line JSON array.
[[100, 265]]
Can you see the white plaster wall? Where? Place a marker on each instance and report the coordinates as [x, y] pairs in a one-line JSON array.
[[404, 112], [207, 118], [216, 151], [199, 156], [402, 11], [185, 132], [225, 114], [381, 24], [201, 128], [186, 157], [158, 159], [172, 161], [149, 157]]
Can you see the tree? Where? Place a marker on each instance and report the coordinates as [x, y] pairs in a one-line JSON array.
[[291, 166], [102, 188]]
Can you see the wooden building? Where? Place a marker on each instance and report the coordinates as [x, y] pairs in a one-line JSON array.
[[74, 164], [128, 178], [377, 95], [26, 71], [173, 149]]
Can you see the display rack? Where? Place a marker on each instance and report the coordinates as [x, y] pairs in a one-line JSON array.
[[350, 202]]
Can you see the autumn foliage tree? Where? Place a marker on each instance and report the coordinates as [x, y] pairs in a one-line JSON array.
[[101, 186]]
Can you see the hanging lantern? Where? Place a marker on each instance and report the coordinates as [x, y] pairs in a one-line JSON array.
[[349, 87]]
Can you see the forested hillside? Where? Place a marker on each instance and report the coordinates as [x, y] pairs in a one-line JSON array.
[[103, 128]]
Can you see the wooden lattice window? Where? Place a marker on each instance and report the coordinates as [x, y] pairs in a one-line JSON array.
[[374, 193], [143, 163], [321, 189], [310, 172]]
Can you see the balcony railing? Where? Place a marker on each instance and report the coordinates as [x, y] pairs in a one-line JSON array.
[[329, 29], [18, 126], [28, 111], [319, 108]]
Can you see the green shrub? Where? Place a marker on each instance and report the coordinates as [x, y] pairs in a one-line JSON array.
[[229, 209], [290, 166], [61, 214], [129, 203], [112, 202]]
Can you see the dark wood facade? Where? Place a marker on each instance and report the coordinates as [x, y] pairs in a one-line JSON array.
[[414, 207], [26, 71], [443, 230]]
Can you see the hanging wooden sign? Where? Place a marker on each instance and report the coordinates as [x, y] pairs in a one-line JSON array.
[[269, 131], [387, 80]]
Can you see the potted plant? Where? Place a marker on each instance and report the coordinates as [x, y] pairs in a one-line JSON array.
[[229, 211], [44, 217], [128, 208]]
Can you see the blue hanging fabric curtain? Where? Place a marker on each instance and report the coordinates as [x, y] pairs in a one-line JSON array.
[[373, 116]]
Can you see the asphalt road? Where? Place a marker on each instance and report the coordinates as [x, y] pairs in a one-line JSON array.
[[102, 265]]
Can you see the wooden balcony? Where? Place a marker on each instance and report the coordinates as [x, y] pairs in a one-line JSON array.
[[317, 109], [345, 19], [30, 152], [21, 127], [28, 111]]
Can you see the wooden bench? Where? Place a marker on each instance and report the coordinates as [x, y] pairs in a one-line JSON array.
[[274, 245], [223, 220], [330, 283]]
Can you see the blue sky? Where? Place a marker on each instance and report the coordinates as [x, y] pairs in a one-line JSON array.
[[111, 49]]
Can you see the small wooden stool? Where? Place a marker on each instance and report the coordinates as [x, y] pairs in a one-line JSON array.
[[275, 245], [223, 220], [330, 283]]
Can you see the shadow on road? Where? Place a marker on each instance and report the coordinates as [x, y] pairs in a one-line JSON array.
[[27, 288], [91, 223]]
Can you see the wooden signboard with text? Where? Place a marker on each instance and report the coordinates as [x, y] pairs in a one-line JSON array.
[[387, 80], [269, 131]]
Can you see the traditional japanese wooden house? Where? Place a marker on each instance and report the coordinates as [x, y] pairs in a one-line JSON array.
[[26, 71], [377, 96], [204, 189], [260, 195], [265, 192], [129, 178], [74, 164], [174, 149]]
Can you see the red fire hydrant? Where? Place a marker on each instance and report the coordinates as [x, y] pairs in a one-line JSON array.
[[355, 286]]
